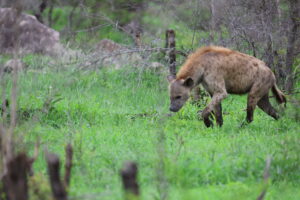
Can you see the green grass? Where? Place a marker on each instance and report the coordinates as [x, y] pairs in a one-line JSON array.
[[113, 116]]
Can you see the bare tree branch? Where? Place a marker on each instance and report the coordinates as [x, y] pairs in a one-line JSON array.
[[266, 178]]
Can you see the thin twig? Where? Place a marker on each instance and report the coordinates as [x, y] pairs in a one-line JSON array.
[[266, 178], [91, 28]]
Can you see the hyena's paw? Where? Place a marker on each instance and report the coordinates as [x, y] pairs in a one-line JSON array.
[[205, 116], [208, 123]]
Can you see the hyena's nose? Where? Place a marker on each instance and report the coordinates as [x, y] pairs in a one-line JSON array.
[[172, 109]]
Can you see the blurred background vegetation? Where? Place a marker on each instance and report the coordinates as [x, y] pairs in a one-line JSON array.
[[267, 29], [112, 114]]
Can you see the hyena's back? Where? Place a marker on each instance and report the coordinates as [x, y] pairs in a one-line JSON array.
[[239, 72]]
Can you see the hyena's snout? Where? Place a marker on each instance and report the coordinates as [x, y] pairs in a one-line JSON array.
[[175, 107]]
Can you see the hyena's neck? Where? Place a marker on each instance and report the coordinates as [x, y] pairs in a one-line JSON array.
[[193, 71]]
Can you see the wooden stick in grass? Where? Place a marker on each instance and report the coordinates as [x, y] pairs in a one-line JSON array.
[[15, 180], [170, 43], [58, 189], [68, 165], [129, 179]]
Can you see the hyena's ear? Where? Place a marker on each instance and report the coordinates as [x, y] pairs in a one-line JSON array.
[[189, 82], [171, 78]]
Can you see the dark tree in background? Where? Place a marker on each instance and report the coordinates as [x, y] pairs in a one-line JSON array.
[[293, 34]]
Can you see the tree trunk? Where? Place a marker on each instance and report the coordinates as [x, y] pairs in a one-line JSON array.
[[39, 14], [266, 22], [292, 36], [278, 11], [71, 15], [50, 18]]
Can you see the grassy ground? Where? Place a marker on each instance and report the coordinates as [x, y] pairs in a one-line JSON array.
[[113, 116]]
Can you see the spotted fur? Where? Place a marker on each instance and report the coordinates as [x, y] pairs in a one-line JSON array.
[[223, 71]]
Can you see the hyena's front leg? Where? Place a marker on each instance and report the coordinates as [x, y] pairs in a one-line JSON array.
[[218, 114], [214, 105]]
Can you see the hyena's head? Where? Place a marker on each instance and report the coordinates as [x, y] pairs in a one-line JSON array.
[[180, 90]]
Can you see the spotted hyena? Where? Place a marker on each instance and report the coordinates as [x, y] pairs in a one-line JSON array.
[[222, 71]]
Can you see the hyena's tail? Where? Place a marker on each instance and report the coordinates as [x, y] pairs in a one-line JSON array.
[[280, 98]]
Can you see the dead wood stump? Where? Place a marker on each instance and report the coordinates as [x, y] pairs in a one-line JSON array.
[[129, 179]]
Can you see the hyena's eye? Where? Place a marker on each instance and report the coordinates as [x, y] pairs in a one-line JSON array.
[[178, 97]]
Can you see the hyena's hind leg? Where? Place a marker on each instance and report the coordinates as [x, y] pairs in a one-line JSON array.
[[266, 106], [257, 92]]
